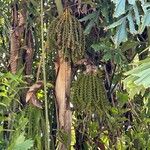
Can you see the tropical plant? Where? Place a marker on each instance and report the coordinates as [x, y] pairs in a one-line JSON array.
[[74, 74]]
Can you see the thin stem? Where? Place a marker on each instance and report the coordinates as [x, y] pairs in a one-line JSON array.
[[112, 77], [47, 142], [108, 82], [59, 6]]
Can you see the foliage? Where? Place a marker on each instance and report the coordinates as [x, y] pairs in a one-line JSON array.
[[130, 21], [11, 85], [18, 141], [110, 110], [21, 143], [138, 79]]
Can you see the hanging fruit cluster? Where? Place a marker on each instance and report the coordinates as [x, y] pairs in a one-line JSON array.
[[66, 37], [89, 93]]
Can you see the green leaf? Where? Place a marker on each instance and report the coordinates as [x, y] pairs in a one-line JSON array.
[[137, 16], [121, 35], [128, 45], [145, 6], [145, 21], [122, 98], [143, 80], [88, 17], [138, 69], [22, 144], [131, 24], [142, 73], [117, 23], [107, 56], [89, 27], [138, 79], [132, 2], [93, 19], [119, 7], [100, 46]]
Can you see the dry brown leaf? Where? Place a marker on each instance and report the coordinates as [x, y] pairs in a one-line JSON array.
[[36, 102], [31, 94], [35, 87]]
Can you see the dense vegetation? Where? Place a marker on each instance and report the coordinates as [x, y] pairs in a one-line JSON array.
[[74, 74]]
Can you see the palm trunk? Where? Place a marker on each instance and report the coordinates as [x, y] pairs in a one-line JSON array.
[[14, 41], [62, 92]]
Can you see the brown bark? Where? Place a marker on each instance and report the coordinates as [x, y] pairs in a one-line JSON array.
[[14, 39], [29, 54], [17, 29], [62, 92], [14, 53]]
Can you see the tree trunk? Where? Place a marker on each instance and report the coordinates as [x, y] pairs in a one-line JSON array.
[[17, 29], [62, 92], [14, 40]]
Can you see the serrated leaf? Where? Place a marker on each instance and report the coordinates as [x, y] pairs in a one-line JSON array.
[[88, 17], [121, 35], [89, 27], [93, 19], [100, 46], [128, 45], [119, 7], [145, 21], [145, 5], [137, 16], [131, 24], [132, 2], [115, 24]]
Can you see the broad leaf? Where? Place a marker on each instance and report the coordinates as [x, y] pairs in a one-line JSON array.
[[132, 2], [88, 17], [145, 21], [128, 45], [121, 35], [100, 46], [117, 23], [119, 7], [131, 24], [137, 16], [138, 79], [22, 144]]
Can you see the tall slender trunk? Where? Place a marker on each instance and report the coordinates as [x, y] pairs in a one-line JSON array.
[[62, 92], [14, 40]]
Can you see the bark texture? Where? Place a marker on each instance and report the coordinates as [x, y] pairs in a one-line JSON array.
[[17, 29], [14, 39], [62, 92], [29, 54]]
